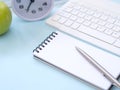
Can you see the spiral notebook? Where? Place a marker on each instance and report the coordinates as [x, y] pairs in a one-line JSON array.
[[58, 49]]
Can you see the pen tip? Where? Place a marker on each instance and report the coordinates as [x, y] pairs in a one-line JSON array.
[[76, 47]]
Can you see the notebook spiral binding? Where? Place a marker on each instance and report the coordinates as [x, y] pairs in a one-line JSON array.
[[45, 42]]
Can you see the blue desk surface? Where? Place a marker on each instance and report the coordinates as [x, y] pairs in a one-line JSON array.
[[20, 71]]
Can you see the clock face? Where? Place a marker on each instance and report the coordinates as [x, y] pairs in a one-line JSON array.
[[32, 9]]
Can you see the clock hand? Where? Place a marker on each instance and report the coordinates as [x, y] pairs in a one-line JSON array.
[[31, 1]]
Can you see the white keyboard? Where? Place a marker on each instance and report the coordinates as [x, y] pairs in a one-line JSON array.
[[89, 24]]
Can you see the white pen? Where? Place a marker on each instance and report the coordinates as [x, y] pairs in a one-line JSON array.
[[99, 67]]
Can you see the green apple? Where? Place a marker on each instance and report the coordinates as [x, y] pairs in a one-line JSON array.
[[5, 18]]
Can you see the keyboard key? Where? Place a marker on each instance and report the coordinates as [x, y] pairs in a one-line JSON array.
[[108, 31], [68, 9], [117, 43], [104, 17], [86, 23], [62, 20], [73, 17], [96, 34], [101, 22], [90, 12], [88, 17], [75, 12], [95, 20], [111, 20], [65, 14], [116, 34], [116, 28], [94, 26], [77, 7], [75, 25], [68, 22], [80, 20], [97, 14], [100, 28], [81, 14], [117, 23], [109, 25], [56, 17], [83, 9]]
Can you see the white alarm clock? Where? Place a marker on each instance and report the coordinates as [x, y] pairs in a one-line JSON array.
[[32, 10]]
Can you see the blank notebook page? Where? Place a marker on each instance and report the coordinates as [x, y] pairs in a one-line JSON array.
[[61, 52]]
